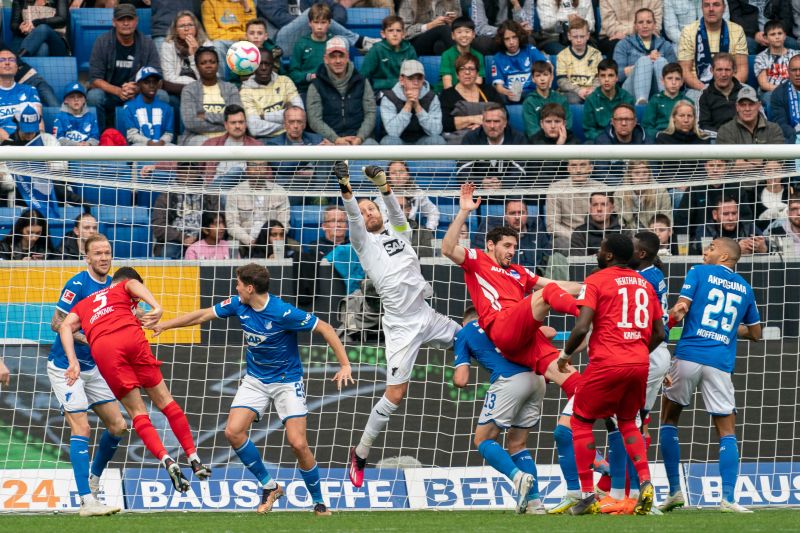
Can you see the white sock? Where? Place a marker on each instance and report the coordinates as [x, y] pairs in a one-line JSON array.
[[195, 457], [586, 494], [271, 484], [617, 494], [634, 493], [574, 494], [164, 460], [378, 420], [87, 499]]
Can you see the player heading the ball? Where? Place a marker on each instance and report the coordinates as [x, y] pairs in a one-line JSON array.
[[126, 362], [274, 375]]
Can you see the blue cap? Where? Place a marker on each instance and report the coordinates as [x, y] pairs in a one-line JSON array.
[[74, 88], [29, 120], [146, 72]]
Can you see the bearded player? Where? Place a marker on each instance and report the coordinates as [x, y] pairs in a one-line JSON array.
[[508, 309], [126, 362], [626, 319], [408, 321]]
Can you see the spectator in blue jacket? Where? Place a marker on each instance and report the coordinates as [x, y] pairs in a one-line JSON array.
[[784, 108], [148, 121], [410, 111], [642, 56], [513, 63], [117, 56], [75, 125], [623, 130]]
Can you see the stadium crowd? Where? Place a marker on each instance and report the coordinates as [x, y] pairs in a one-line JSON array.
[[544, 72]]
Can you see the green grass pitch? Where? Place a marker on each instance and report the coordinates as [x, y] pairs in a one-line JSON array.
[[686, 521]]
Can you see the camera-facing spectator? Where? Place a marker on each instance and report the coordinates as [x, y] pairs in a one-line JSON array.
[[272, 243], [577, 64], [565, 211], [600, 222], [74, 244], [533, 243], [638, 206], [600, 105], [749, 125], [334, 232], [75, 125], [659, 107], [14, 97], [178, 60], [226, 174], [265, 96], [410, 111], [726, 221], [148, 121], [542, 76], [28, 240], [463, 104], [463, 34], [661, 225], [618, 17], [213, 243], [511, 73], [384, 60]]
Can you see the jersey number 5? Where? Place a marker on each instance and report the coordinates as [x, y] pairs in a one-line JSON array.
[[103, 299], [641, 313], [723, 307]]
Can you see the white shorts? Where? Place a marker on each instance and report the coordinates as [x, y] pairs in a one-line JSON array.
[[405, 338], [514, 402], [715, 384], [90, 390], [659, 366], [289, 398]]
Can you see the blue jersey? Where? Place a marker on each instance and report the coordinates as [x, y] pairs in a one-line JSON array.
[[12, 101], [721, 300], [74, 128], [508, 69], [271, 335], [655, 277], [151, 120], [77, 288], [473, 342]]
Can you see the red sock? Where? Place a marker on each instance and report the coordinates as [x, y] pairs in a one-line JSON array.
[[560, 300], [571, 383], [144, 428], [647, 440], [634, 445], [604, 483], [583, 442], [180, 426]]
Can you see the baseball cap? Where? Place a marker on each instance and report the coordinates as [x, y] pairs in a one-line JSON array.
[[411, 67], [29, 120], [146, 72], [74, 88], [124, 10], [747, 93], [336, 44]]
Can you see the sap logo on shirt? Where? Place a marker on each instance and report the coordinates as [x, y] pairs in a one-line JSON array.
[[394, 246], [254, 339]]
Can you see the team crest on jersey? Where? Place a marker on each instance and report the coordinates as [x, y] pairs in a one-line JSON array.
[[68, 296], [514, 274], [225, 302], [394, 246]]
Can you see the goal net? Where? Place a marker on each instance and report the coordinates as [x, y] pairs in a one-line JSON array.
[[281, 207]]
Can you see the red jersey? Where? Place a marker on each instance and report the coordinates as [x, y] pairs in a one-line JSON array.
[[624, 305], [108, 311], [492, 287]]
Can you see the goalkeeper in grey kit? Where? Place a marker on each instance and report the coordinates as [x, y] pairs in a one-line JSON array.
[[408, 321]]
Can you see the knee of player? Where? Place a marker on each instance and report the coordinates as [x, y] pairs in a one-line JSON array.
[[235, 436], [480, 439], [80, 428], [118, 427], [299, 443]]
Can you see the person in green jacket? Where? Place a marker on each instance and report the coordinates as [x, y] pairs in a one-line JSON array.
[[382, 63], [659, 108], [309, 51], [542, 73], [599, 105]]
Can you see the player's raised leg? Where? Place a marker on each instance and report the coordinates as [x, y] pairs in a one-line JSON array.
[[236, 429]]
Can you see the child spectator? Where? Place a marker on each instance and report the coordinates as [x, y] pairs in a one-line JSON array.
[[659, 108], [382, 64], [309, 50], [463, 33], [256, 32], [511, 72], [661, 225], [577, 65], [544, 94], [601, 103], [772, 65], [148, 121], [213, 243], [75, 125]]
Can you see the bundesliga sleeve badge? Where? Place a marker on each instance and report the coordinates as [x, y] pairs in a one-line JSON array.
[[68, 296]]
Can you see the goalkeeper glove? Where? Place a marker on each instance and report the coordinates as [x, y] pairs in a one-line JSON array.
[[377, 176], [342, 172]]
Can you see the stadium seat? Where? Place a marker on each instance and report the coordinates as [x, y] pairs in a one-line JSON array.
[[752, 79], [577, 121], [447, 213], [515, 118], [640, 109], [358, 61], [365, 17], [434, 174], [58, 71], [7, 35], [128, 229], [87, 24], [431, 65], [8, 215]]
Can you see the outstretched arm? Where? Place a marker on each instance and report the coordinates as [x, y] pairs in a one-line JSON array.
[[355, 222], [69, 326], [138, 290], [189, 319], [679, 311], [450, 247], [345, 373], [397, 219]]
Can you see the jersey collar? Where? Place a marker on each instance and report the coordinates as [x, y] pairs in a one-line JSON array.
[[88, 271], [266, 303]]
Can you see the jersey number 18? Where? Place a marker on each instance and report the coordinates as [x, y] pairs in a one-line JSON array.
[[641, 313]]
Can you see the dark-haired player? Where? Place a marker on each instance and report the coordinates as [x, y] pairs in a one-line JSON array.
[[626, 316], [274, 375], [125, 360], [717, 305]]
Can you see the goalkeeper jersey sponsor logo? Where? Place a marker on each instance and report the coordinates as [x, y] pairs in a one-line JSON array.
[[394, 246]]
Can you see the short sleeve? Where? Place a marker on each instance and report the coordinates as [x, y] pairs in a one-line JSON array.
[[531, 280], [655, 304], [751, 314], [687, 44], [761, 63], [470, 260], [227, 308], [68, 298], [294, 319], [461, 348], [588, 295], [689, 285], [738, 41]]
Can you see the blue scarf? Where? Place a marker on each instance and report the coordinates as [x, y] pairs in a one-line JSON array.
[[646, 49], [794, 105], [702, 53]]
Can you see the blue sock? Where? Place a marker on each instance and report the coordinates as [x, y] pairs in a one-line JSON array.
[[617, 460], [525, 462], [249, 455], [498, 458], [104, 452], [671, 453], [79, 457], [311, 479], [728, 465], [633, 475], [566, 457]]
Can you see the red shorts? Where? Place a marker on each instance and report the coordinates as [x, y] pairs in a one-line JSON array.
[[611, 390], [126, 363], [517, 335]]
